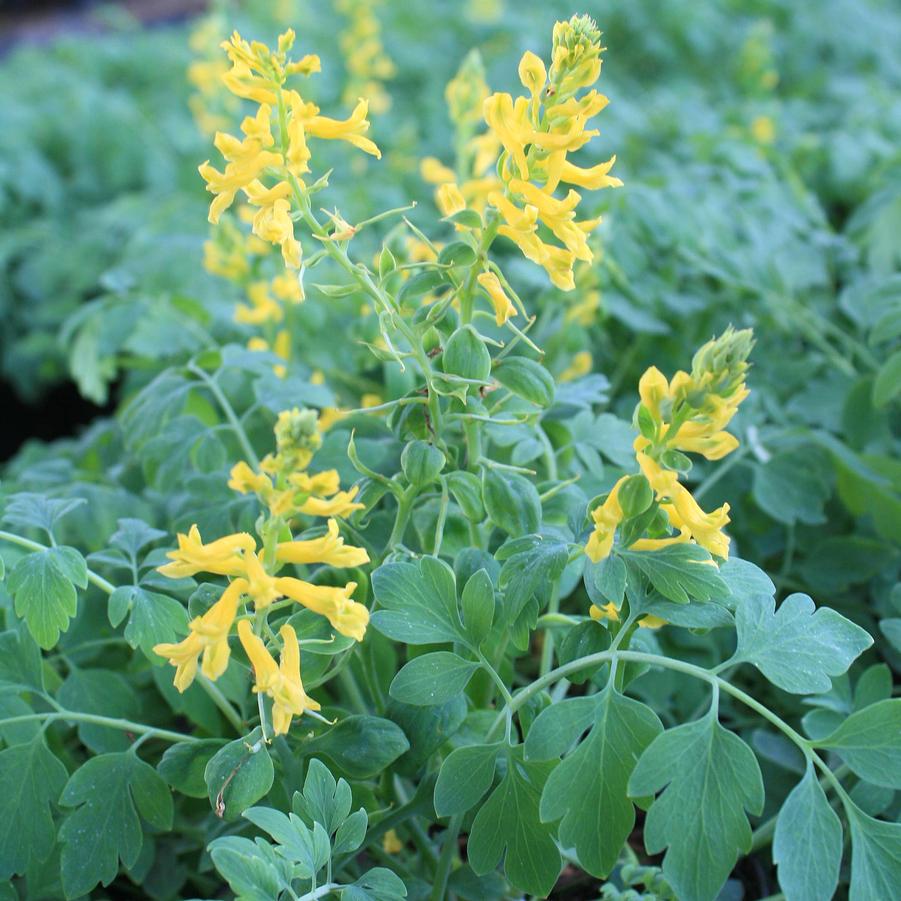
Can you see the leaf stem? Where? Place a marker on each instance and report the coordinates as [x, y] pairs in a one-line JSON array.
[[229, 412], [445, 862], [97, 720]]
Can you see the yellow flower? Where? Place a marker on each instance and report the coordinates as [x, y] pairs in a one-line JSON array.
[[449, 199], [244, 480], [208, 635], [224, 557], [329, 549], [281, 682], [391, 844], [435, 172], [503, 306], [272, 221], [763, 129], [581, 365], [607, 518], [351, 129], [341, 504], [536, 134], [608, 611], [334, 603], [246, 159]]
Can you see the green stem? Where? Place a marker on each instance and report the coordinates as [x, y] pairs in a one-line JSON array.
[[97, 720], [404, 509], [229, 412], [547, 647], [224, 705], [320, 892], [349, 684], [446, 861]]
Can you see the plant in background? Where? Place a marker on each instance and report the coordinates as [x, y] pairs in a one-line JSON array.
[[501, 635]]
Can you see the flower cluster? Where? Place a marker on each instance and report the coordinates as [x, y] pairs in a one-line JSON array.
[[268, 171], [367, 63], [255, 581], [537, 133], [688, 414], [282, 482]]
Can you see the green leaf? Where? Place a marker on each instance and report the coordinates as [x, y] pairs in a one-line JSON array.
[[465, 776], [324, 800], [794, 485], [426, 728], [108, 793], [509, 820], [362, 746], [478, 606], [807, 844], [605, 582], [526, 379], [512, 502], [379, 884], [43, 585], [421, 463], [253, 870], [309, 849], [869, 741], [797, 647], [465, 355], [351, 833], [588, 790], [875, 857], [31, 779], [183, 765], [154, 618], [104, 692], [132, 535], [31, 510], [432, 679], [680, 572], [531, 571], [420, 602], [887, 385], [20, 659], [236, 776], [708, 776], [467, 491], [466, 218]]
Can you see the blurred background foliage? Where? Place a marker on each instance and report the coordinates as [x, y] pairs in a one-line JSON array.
[[759, 145]]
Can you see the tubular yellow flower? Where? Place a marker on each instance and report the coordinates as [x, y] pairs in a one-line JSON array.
[[260, 585], [351, 129], [341, 504], [334, 603], [607, 518], [536, 134], [224, 557], [329, 549], [281, 682], [449, 199], [208, 635], [503, 306]]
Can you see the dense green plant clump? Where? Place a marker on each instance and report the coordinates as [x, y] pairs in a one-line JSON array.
[[483, 514]]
